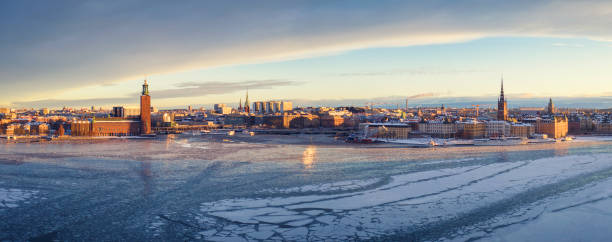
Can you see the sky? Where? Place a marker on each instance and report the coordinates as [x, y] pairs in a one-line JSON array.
[[84, 53]]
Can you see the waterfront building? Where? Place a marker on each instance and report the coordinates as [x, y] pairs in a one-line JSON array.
[[498, 129], [502, 105], [522, 130], [437, 128], [332, 121], [471, 129], [555, 127], [387, 130], [39, 128], [10, 130]]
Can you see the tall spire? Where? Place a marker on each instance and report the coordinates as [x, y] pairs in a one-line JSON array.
[[240, 105], [501, 95], [247, 108], [502, 106]]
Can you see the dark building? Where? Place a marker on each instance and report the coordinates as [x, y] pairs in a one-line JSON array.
[[502, 105]]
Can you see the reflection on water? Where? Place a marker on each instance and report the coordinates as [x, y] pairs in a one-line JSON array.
[[169, 140], [308, 157], [146, 175]]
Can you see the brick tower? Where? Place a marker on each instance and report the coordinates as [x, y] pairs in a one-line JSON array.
[[145, 110]]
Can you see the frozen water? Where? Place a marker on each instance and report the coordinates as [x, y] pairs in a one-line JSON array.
[[196, 188], [422, 198], [12, 198]]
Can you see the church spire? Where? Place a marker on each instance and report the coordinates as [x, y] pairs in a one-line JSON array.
[[247, 108], [502, 106], [501, 95]]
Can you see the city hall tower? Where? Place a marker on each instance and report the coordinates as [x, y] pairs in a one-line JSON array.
[[145, 110]]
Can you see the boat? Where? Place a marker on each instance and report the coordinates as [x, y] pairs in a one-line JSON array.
[[568, 138], [500, 141]]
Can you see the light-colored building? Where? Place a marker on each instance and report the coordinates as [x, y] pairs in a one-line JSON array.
[[222, 108], [123, 112], [292, 121], [270, 107], [498, 129], [522, 130], [387, 130], [438, 129]]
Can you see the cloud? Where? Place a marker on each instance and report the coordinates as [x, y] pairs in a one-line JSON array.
[[56, 103], [198, 89], [82, 43], [185, 89]]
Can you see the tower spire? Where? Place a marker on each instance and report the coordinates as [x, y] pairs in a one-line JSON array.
[[502, 85], [502, 106], [247, 108]]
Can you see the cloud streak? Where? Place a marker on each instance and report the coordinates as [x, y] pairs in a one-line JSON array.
[[198, 89]]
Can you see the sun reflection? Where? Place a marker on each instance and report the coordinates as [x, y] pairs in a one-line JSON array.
[[169, 140], [308, 157]]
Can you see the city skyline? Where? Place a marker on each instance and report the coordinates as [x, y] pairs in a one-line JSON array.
[[544, 49]]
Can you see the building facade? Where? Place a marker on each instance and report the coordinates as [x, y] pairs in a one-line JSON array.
[[438, 129], [557, 127], [471, 129], [498, 129], [387, 130]]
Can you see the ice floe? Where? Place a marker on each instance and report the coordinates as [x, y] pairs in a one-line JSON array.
[[408, 203], [11, 198]]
